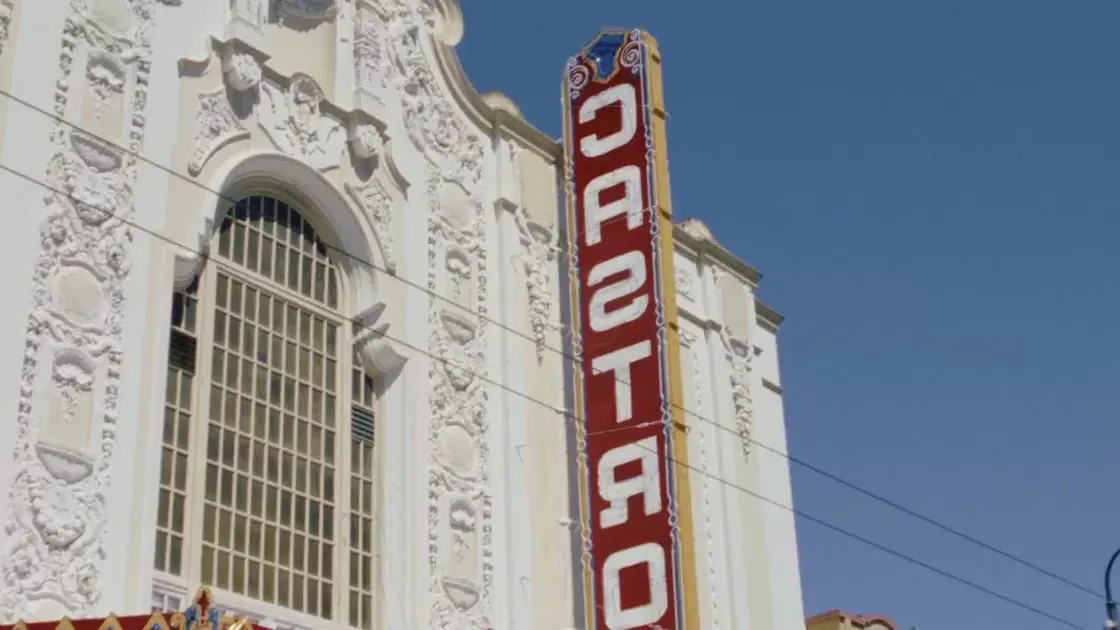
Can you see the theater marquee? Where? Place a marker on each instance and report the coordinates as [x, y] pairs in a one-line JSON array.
[[636, 522]]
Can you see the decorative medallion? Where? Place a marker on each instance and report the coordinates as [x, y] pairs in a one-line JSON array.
[[295, 123]]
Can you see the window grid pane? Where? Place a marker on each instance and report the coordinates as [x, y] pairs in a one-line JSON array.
[[270, 472], [363, 499], [267, 527], [172, 502], [165, 603], [271, 238]]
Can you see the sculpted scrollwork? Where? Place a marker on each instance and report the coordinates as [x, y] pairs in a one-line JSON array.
[[684, 284], [389, 50], [371, 48], [460, 500], [105, 75], [739, 357], [375, 201], [373, 342], [242, 70], [7, 8], [68, 417], [540, 253], [216, 126], [294, 121], [390, 60], [365, 140]]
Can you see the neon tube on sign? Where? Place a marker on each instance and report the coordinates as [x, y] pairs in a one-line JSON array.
[[629, 528]]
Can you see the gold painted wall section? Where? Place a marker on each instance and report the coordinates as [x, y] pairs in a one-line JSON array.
[[689, 593]]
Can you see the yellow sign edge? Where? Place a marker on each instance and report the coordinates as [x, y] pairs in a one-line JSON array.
[[656, 104]]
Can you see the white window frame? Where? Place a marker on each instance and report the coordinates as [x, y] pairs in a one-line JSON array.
[[167, 587]]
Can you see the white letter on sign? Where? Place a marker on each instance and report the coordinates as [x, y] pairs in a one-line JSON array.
[[623, 94], [651, 555], [619, 362], [596, 215], [647, 483], [632, 262]]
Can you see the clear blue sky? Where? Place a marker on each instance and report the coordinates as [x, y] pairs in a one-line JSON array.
[[930, 189]]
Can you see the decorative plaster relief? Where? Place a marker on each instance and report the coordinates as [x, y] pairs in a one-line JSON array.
[[460, 500], [241, 69], [107, 35], [428, 12], [389, 49], [67, 418], [294, 122], [252, 12], [692, 342], [371, 54], [216, 126], [7, 8], [684, 284], [376, 204], [365, 140], [540, 252], [739, 356], [376, 348], [106, 74], [390, 56]]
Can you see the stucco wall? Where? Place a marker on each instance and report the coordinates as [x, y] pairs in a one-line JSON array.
[[443, 207], [746, 553]]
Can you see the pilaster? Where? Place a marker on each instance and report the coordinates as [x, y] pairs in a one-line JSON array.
[[31, 64], [147, 331]]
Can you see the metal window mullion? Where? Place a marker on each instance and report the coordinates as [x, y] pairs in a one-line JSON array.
[[200, 425], [375, 512], [343, 454]]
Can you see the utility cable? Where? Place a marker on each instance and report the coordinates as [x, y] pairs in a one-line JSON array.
[[575, 361], [570, 416]]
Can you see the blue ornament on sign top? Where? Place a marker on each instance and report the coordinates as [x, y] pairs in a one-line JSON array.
[[603, 52]]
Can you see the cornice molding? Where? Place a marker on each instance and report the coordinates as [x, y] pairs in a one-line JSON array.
[[767, 317], [693, 235]]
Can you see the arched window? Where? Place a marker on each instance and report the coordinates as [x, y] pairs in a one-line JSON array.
[[267, 476]]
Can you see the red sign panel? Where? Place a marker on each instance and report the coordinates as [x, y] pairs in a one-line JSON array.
[[621, 341]]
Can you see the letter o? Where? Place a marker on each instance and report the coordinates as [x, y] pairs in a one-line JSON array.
[[652, 555]]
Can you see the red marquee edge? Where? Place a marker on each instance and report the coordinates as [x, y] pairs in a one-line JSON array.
[[202, 615]]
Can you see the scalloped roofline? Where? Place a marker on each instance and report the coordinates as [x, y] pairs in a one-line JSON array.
[[492, 111], [496, 112]]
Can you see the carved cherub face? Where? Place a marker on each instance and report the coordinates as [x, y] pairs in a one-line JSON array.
[[304, 102]]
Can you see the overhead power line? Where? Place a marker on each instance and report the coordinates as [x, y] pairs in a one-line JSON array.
[[569, 416], [734, 434], [833, 477], [699, 417]]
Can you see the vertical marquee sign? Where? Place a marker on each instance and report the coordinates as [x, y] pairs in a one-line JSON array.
[[635, 517]]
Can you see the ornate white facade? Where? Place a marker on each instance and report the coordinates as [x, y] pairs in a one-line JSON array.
[[284, 304]]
